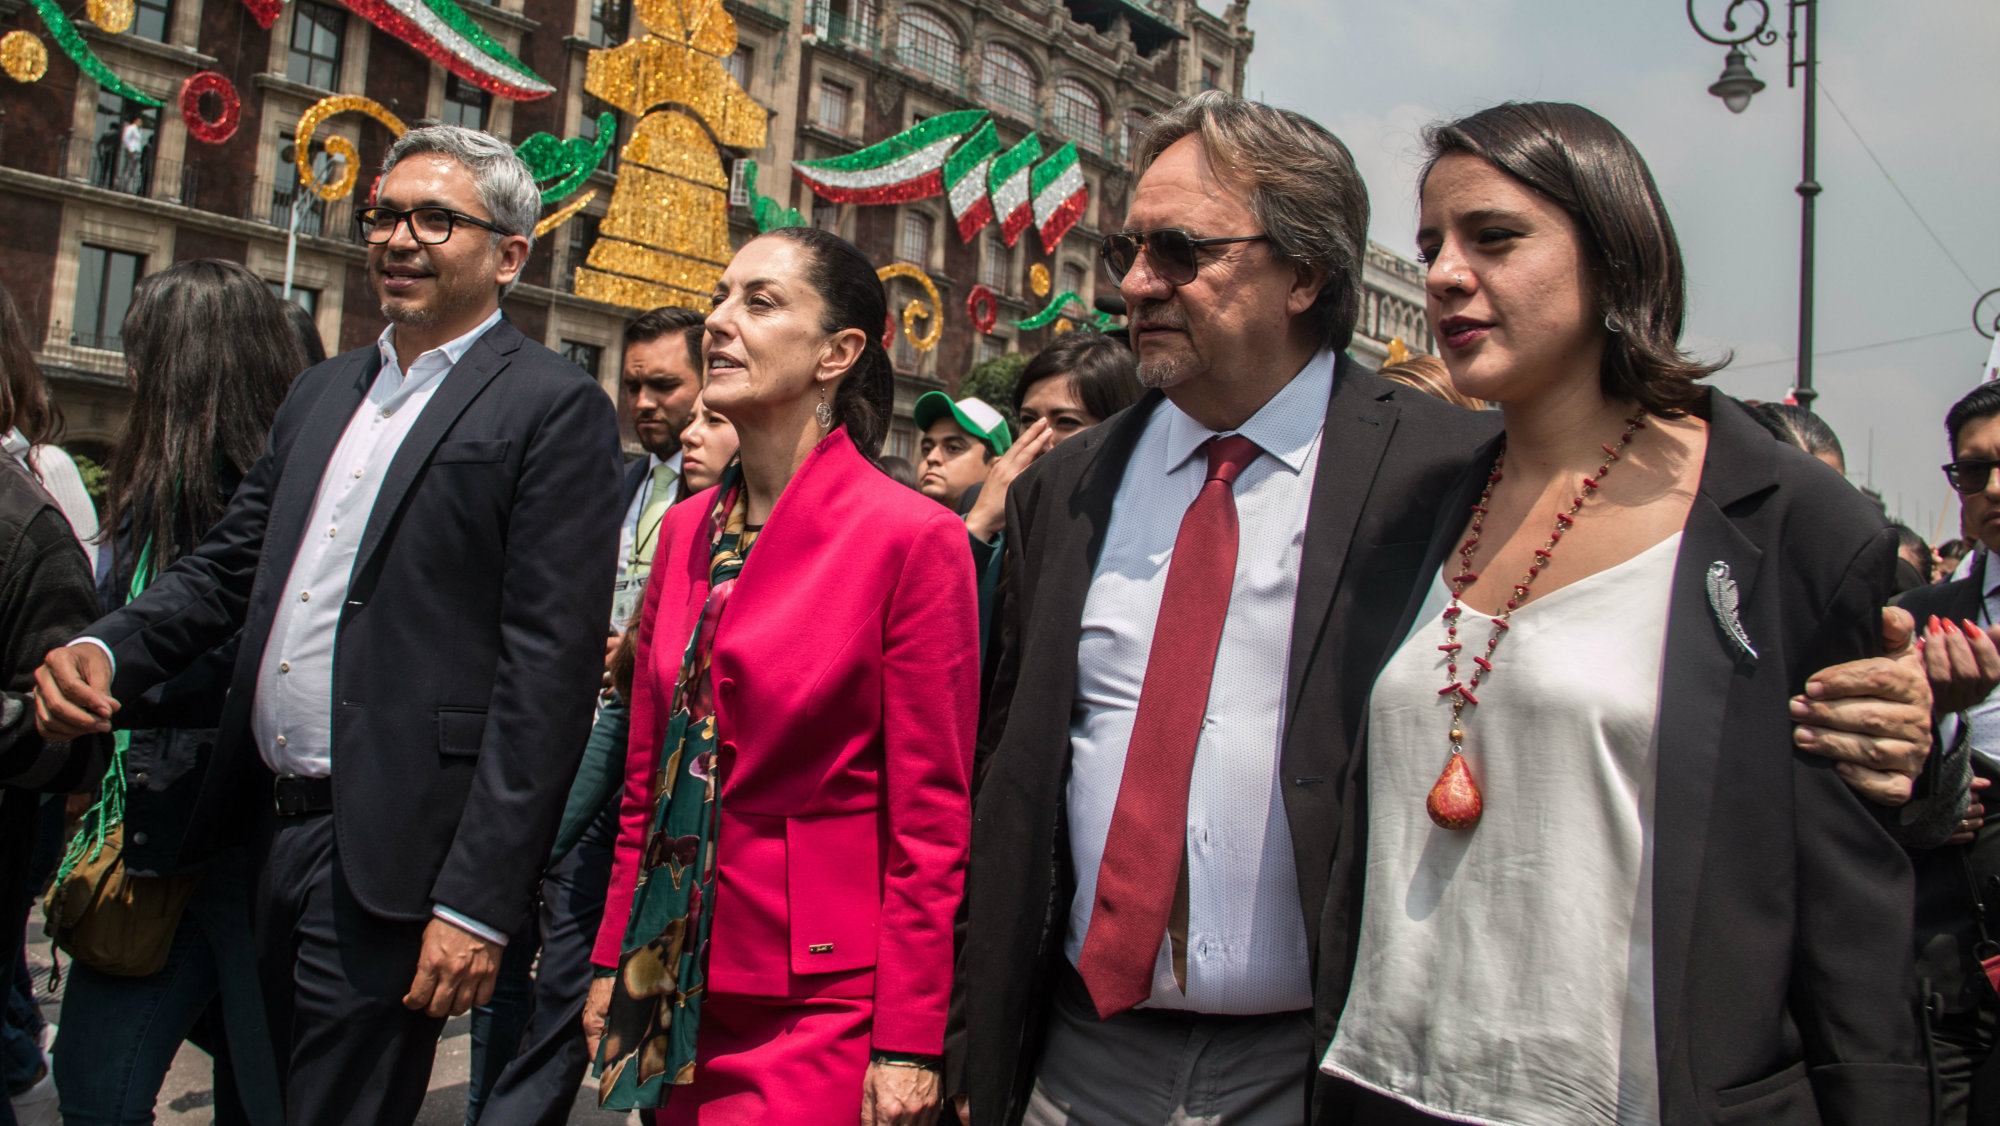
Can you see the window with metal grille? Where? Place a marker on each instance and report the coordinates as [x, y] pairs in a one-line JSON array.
[[582, 236], [989, 348], [1007, 82], [464, 103], [1078, 115], [739, 182], [915, 244], [586, 128], [833, 99], [151, 19], [927, 44], [994, 265], [1135, 127], [608, 19], [739, 65], [585, 356], [122, 144], [317, 33], [826, 216], [1211, 74], [1072, 281], [104, 282]]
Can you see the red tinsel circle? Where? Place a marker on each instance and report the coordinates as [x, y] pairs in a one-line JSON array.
[[982, 297], [200, 128], [889, 332]]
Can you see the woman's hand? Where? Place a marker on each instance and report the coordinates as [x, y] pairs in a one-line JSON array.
[[989, 512], [1975, 815], [894, 1095], [1962, 664], [595, 1007]]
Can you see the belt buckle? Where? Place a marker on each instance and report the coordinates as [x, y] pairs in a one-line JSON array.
[[285, 799]]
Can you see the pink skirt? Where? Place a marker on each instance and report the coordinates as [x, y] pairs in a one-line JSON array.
[[775, 1060]]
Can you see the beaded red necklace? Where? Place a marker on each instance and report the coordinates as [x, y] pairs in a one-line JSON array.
[[1454, 801]]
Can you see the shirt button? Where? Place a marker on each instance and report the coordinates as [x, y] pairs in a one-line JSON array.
[[357, 475], [386, 412], [139, 776], [139, 838], [281, 740], [305, 596], [284, 666], [331, 531]]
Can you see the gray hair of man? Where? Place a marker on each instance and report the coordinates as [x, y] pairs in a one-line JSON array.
[[1304, 191], [505, 186]]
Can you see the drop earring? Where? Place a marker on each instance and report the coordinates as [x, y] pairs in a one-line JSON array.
[[823, 412]]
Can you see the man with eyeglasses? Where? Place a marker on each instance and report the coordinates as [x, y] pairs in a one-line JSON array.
[[1205, 587], [1958, 886], [419, 657]]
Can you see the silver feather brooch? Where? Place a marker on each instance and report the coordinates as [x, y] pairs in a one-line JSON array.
[[1722, 599]]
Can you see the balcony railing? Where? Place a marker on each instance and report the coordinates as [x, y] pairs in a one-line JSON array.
[[271, 202], [105, 163], [855, 35]]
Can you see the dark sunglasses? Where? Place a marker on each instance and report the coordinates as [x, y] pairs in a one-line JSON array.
[[428, 225], [1969, 474], [1170, 252]]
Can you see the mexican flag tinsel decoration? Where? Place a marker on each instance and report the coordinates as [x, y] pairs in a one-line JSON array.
[[959, 156], [444, 33]]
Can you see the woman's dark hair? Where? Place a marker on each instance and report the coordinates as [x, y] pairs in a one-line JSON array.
[[1795, 425], [24, 398], [1584, 165], [845, 280], [311, 347], [212, 354], [1102, 371]]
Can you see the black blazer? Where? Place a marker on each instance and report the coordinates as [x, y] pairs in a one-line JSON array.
[[1387, 455], [470, 645], [1781, 905]]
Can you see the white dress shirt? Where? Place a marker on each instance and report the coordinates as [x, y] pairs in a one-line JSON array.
[[1246, 941], [628, 585], [629, 532], [1984, 717]]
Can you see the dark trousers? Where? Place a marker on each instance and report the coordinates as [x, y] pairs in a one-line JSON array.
[[539, 1087], [334, 981]]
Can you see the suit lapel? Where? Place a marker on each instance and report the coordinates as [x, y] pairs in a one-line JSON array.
[[1357, 432], [1701, 664], [462, 384], [306, 464]]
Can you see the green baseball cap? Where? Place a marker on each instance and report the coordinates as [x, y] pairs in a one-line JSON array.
[[976, 416]]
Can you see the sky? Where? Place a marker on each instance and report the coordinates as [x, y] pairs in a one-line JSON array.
[[1920, 80]]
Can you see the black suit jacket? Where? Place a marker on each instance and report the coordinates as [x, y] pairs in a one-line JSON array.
[[1387, 455], [469, 649], [1781, 904]]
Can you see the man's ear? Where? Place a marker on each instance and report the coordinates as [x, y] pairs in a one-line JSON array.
[[1307, 284]]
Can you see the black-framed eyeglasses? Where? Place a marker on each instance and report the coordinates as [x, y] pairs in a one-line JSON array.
[[428, 225], [1170, 252], [1969, 474]]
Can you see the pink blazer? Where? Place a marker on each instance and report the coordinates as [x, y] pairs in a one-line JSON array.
[[846, 677]]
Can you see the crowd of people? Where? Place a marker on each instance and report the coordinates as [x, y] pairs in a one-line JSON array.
[[1215, 731]]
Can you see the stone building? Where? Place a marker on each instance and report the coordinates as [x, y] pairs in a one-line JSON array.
[[92, 203]]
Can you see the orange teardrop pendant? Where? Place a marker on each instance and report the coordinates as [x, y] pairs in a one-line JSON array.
[[1454, 801]]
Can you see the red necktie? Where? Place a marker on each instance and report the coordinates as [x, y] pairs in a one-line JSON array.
[[1148, 837]]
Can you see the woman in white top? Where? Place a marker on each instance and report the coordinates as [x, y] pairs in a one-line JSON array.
[[1598, 885]]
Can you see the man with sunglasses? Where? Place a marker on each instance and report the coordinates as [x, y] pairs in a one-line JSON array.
[[1205, 588], [418, 656]]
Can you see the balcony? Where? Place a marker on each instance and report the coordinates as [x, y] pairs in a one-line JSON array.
[[104, 163]]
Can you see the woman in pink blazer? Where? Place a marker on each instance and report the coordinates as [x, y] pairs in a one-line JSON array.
[[778, 934]]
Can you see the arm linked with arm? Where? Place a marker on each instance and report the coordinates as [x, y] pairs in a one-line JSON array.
[[46, 596]]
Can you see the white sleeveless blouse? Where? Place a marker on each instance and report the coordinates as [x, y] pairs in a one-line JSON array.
[[1505, 974]]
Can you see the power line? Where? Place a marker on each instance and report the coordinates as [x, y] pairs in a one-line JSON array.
[[1898, 187], [1844, 351]]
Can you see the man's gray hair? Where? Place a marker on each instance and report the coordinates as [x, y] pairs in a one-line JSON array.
[[505, 186], [1304, 191]]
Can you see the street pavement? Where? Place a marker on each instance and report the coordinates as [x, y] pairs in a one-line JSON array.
[[189, 1094]]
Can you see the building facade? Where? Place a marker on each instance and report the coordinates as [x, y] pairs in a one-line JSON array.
[[98, 190]]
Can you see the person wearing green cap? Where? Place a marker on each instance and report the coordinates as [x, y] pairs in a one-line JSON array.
[[960, 441]]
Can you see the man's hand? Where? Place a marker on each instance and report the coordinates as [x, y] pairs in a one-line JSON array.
[[73, 692], [596, 1007], [989, 512], [900, 1096], [454, 972], [1963, 664], [1872, 717], [1975, 815]]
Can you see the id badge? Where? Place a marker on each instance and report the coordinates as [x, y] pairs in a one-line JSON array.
[[627, 595]]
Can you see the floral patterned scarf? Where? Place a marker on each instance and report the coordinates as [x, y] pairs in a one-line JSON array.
[[649, 1034]]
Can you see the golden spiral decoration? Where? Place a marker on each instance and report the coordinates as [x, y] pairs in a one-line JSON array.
[[337, 145], [916, 311], [23, 57]]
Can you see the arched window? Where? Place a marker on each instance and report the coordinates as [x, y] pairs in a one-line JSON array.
[[1007, 81], [927, 44], [1078, 115]]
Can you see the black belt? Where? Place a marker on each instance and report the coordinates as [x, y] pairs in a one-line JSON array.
[[294, 796], [1071, 989]]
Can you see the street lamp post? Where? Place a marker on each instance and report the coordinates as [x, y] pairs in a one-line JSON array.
[[1737, 86]]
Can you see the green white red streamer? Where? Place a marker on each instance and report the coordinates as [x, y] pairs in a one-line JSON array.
[[443, 32]]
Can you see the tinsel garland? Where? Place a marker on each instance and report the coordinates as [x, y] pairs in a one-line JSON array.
[[200, 128], [983, 308], [337, 145], [915, 310], [769, 213], [1055, 309], [265, 12], [570, 162], [965, 174], [1012, 204], [1059, 195], [71, 41], [23, 57], [569, 209], [447, 36]]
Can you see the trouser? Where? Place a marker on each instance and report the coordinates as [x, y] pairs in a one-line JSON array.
[[119, 1034], [1155, 1067], [334, 980], [539, 1087], [497, 1026], [1968, 1073]]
